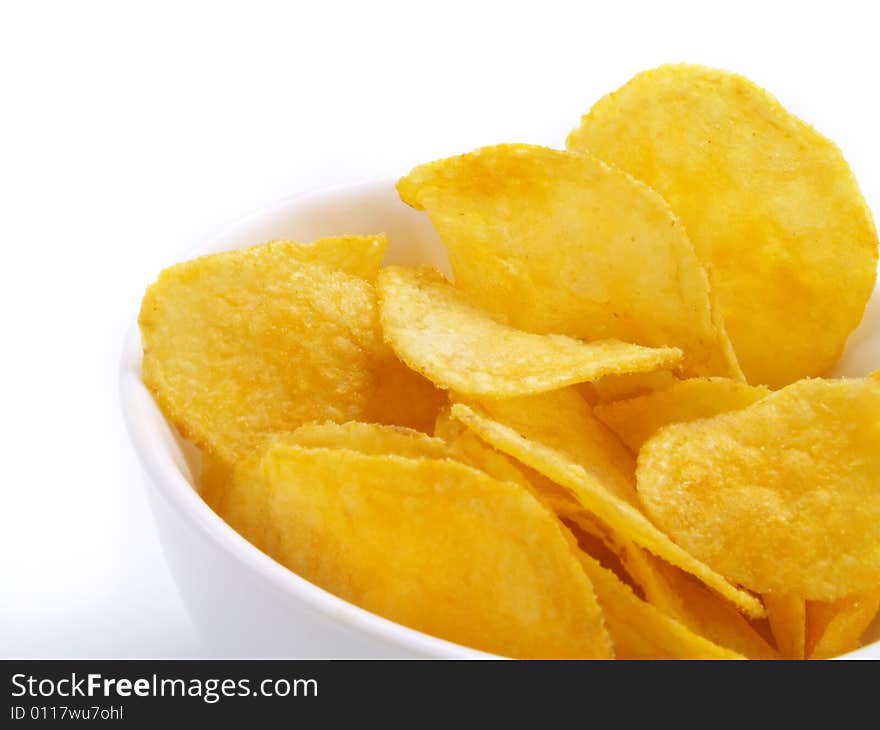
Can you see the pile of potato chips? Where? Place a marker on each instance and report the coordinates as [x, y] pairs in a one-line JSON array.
[[609, 437]]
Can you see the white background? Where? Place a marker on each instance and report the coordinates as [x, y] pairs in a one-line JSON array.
[[128, 130]]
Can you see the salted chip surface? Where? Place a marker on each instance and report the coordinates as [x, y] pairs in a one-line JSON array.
[[781, 496], [562, 243], [244, 344], [370, 438], [356, 255], [438, 331], [594, 491], [771, 206], [634, 420], [433, 544]]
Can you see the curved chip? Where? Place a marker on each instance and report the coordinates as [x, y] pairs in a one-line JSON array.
[[835, 628], [636, 564], [617, 387], [788, 622], [563, 421], [597, 495], [369, 438], [771, 206], [565, 417], [634, 420], [781, 497], [356, 255], [706, 614], [436, 330], [468, 448], [214, 480], [431, 544], [640, 631], [244, 344], [562, 243], [403, 397]]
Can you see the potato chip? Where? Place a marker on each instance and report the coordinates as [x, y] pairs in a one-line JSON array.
[[469, 448], [214, 481], [601, 551], [640, 631], [634, 420], [403, 397], [771, 206], [243, 344], [706, 614], [369, 438], [435, 330], [594, 490], [431, 544], [562, 243], [835, 628], [618, 387], [788, 621], [780, 497], [563, 421], [636, 566], [356, 255]]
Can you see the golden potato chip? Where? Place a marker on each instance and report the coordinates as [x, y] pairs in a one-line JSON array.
[[640, 631], [563, 421], [369, 438], [470, 449], [637, 566], [403, 397], [634, 420], [780, 497], [562, 243], [431, 544], [788, 621], [617, 387], [214, 481], [835, 628], [598, 548], [243, 344], [771, 206], [356, 255], [706, 614], [446, 427], [435, 330], [595, 491]]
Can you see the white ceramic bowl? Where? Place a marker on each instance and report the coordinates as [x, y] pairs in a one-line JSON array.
[[242, 601]]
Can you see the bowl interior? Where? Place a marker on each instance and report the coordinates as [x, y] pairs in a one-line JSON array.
[[365, 208]]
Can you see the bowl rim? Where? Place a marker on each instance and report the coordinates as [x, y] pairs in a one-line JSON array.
[[168, 482], [173, 488]]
